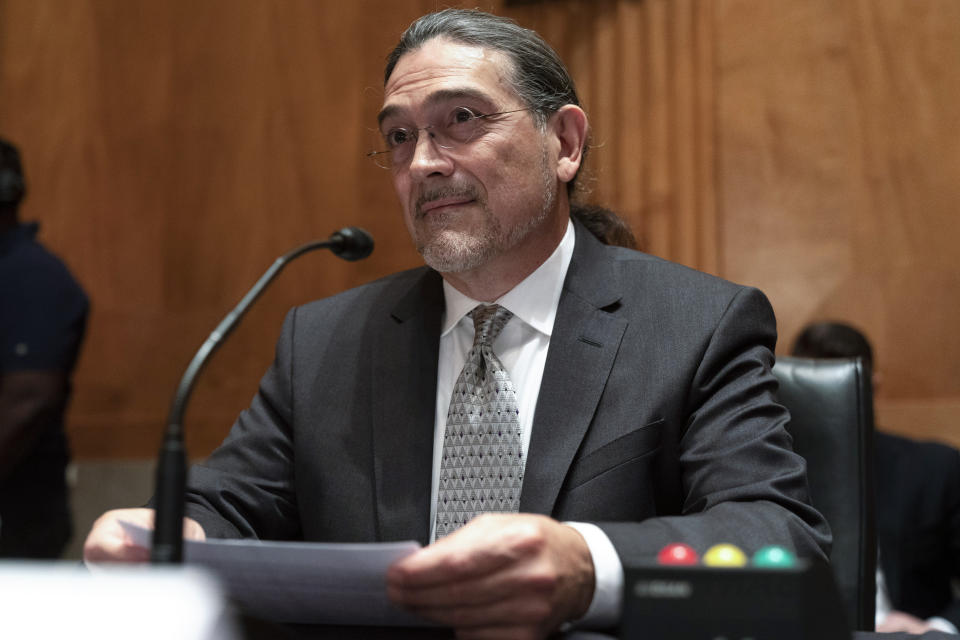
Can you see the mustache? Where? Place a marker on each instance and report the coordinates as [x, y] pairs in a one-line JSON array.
[[466, 191]]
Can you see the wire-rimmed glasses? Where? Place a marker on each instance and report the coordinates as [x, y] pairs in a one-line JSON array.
[[459, 127]]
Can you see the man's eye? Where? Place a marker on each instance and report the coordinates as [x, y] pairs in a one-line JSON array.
[[461, 115], [396, 137]]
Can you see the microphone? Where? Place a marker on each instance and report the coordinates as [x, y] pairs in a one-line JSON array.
[[350, 243]]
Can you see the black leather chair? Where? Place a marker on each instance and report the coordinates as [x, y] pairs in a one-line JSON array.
[[831, 408]]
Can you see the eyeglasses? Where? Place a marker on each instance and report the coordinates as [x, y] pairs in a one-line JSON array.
[[459, 127]]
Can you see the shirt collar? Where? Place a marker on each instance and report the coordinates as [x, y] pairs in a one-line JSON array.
[[534, 300]]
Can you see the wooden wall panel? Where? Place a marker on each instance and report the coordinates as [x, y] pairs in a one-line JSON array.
[[175, 149], [839, 168], [644, 74]]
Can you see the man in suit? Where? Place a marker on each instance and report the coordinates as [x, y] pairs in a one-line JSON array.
[[918, 508], [642, 390]]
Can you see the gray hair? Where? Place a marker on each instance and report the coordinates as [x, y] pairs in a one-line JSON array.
[[538, 75]]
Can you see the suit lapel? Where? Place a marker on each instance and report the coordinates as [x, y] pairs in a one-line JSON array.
[[584, 344], [404, 398]]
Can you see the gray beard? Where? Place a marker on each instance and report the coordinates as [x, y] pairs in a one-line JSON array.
[[452, 252], [456, 252]]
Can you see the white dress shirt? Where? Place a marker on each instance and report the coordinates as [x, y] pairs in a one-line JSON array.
[[522, 348]]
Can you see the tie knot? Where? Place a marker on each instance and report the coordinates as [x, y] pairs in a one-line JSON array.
[[488, 321]]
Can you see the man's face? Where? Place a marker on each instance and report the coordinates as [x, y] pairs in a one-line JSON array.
[[467, 205]]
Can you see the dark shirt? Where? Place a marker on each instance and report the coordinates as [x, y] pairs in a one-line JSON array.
[[918, 524], [43, 314]]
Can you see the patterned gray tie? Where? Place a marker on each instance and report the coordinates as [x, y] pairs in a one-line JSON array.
[[482, 465]]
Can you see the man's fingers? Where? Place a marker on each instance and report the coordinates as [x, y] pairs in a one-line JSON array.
[[519, 596], [115, 551], [900, 621], [534, 578], [511, 632], [481, 547], [108, 540], [192, 530], [501, 575], [436, 566]]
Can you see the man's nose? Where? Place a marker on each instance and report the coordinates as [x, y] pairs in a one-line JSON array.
[[429, 157]]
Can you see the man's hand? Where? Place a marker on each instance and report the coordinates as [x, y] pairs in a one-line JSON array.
[[108, 542], [900, 621], [500, 576]]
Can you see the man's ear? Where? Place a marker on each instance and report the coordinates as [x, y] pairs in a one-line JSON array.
[[570, 127]]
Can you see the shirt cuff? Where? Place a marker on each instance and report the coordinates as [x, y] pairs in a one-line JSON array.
[[942, 624], [604, 610]]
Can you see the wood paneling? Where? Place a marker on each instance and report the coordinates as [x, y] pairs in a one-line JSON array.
[[838, 152], [644, 72], [174, 149], [803, 147]]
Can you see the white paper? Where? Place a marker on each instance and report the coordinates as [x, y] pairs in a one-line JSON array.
[[302, 582]]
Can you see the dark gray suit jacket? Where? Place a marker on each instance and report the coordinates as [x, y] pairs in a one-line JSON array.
[[656, 417]]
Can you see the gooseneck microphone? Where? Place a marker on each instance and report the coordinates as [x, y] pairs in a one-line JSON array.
[[351, 243]]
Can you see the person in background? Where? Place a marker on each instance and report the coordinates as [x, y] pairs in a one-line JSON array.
[[918, 508], [43, 314], [536, 407]]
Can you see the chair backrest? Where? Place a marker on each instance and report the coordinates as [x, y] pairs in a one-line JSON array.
[[831, 409]]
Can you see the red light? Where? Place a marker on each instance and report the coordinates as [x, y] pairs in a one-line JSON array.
[[677, 554]]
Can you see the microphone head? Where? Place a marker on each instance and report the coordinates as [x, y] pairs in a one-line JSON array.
[[351, 243]]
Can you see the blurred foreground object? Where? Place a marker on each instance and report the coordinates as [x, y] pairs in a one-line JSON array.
[[65, 601]]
